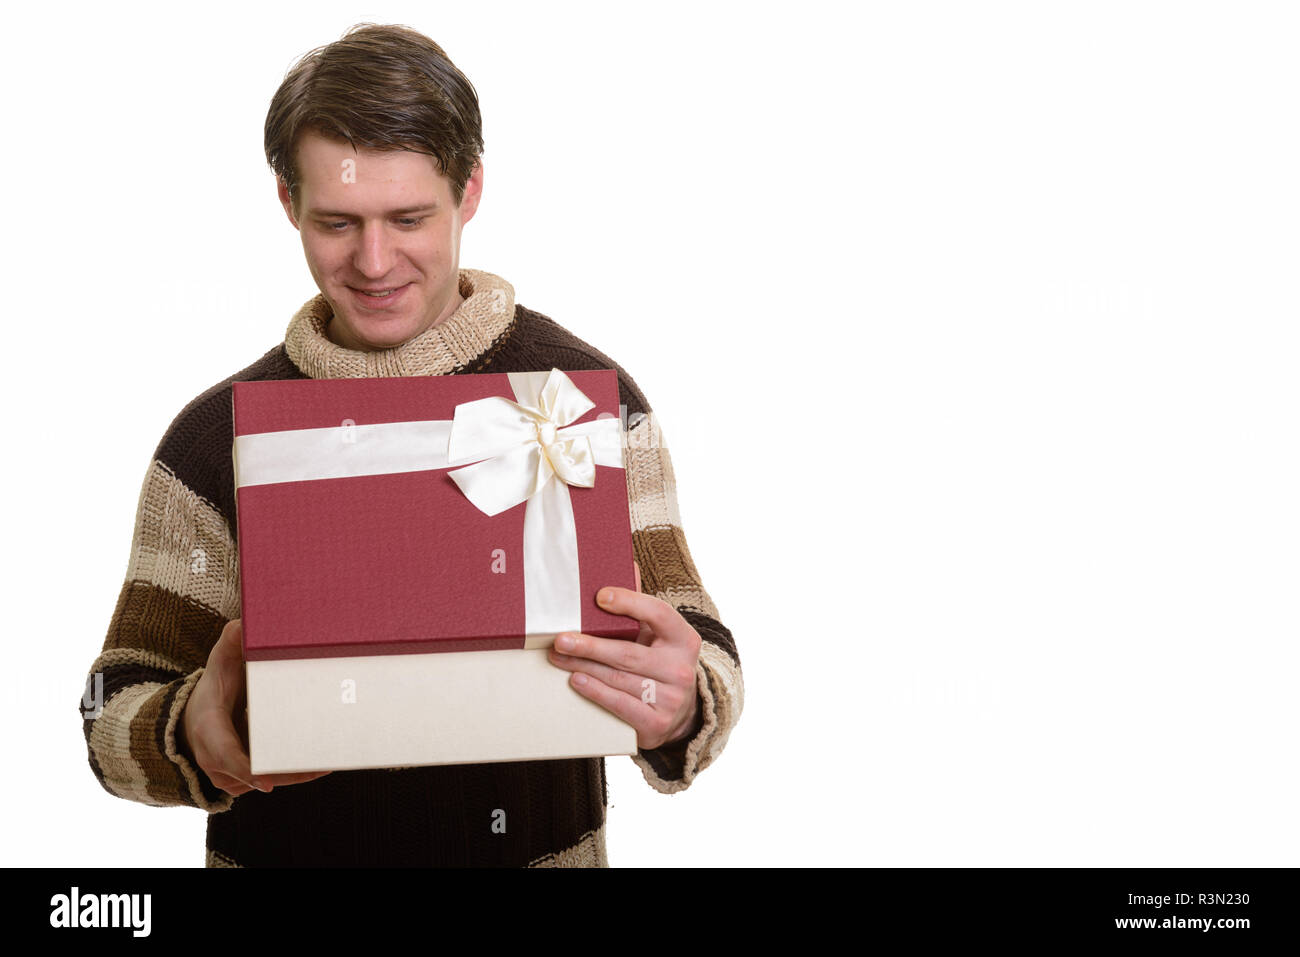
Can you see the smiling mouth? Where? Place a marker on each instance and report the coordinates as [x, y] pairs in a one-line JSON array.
[[378, 293]]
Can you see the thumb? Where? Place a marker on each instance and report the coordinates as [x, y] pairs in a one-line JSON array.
[[230, 644], [226, 665]]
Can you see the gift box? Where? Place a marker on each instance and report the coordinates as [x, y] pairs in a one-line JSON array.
[[409, 548]]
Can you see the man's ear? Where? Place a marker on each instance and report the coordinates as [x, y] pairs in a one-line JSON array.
[[473, 192], [283, 192]]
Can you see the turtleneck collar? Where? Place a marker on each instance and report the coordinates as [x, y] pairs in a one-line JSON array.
[[467, 333]]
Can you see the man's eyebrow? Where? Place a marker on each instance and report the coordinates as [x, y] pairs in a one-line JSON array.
[[392, 212]]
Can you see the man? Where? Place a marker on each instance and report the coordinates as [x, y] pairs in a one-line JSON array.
[[379, 184]]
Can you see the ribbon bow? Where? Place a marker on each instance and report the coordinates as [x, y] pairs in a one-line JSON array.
[[524, 446]]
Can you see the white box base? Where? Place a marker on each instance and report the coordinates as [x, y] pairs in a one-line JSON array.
[[379, 711]]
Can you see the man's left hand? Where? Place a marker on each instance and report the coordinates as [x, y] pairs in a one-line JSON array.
[[650, 682]]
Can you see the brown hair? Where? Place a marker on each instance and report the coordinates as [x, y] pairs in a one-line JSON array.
[[379, 87]]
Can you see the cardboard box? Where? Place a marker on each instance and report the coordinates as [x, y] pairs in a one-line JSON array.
[[397, 605]]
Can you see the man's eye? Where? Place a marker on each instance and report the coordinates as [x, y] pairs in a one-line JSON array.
[[409, 221]]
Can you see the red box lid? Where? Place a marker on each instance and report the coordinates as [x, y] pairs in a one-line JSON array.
[[404, 563]]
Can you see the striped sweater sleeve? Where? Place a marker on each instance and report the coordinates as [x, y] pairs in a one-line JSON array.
[[181, 587], [669, 573]]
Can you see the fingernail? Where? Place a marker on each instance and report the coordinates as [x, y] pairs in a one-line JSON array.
[[605, 597], [565, 641], [579, 678]]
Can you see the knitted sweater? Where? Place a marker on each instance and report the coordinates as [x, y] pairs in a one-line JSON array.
[[182, 587]]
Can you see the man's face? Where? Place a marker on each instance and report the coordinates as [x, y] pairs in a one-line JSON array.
[[379, 222]]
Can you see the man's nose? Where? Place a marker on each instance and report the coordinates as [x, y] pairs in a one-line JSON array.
[[375, 252]]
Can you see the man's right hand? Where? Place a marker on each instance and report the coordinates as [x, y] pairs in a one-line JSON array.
[[207, 732]]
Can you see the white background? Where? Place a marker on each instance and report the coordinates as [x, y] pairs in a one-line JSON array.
[[972, 328]]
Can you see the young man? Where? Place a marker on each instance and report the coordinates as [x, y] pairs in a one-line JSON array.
[[379, 185]]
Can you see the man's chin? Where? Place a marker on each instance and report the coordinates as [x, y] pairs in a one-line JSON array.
[[387, 336], [368, 333]]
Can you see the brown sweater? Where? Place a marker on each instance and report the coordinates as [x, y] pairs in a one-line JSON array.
[[182, 586]]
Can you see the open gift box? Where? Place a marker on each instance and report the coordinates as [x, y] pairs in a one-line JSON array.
[[409, 548]]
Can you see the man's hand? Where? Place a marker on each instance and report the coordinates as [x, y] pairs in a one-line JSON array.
[[207, 732], [650, 682]]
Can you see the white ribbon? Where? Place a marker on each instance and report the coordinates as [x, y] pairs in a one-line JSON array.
[[532, 454], [529, 451]]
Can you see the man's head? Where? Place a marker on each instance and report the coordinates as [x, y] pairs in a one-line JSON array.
[[375, 141]]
